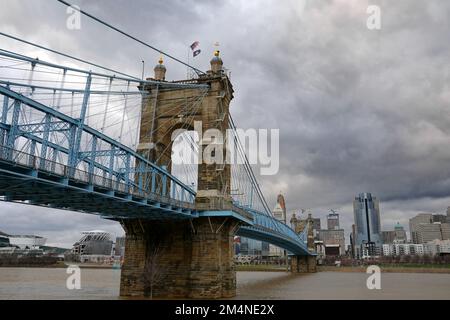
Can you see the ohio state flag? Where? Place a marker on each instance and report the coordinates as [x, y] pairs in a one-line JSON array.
[[196, 52]]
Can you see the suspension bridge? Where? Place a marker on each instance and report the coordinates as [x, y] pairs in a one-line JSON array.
[[102, 142]]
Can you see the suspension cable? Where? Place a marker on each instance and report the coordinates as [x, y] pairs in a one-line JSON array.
[[130, 36], [250, 171], [66, 55]]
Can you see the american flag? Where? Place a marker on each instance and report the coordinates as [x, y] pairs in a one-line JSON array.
[[194, 45], [195, 52]]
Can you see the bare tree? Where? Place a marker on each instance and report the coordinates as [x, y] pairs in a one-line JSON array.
[[437, 259], [415, 259], [153, 274], [447, 259], [426, 259]]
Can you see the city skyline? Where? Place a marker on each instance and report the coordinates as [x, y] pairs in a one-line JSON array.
[[115, 229], [336, 141]]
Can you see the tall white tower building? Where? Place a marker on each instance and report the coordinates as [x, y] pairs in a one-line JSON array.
[[279, 213]]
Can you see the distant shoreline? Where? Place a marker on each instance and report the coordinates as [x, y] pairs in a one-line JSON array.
[[60, 264], [390, 269], [32, 266], [275, 268], [261, 267]]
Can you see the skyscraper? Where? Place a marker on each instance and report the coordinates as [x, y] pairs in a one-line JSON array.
[[445, 231], [333, 241], [439, 218], [316, 224], [333, 221], [333, 238], [367, 221], [279, 213], [427, 227], [352, 241], [427, 232], [414, 223]]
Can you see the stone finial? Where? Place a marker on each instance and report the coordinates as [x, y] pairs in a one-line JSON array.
[[160, 70], [216, 63]]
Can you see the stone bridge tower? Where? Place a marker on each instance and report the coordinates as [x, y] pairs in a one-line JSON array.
[[193, 258], [302, 264], [206, 111]]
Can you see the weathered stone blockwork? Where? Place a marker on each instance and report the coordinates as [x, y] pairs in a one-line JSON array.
[[177, 259], [166, 110], [184, 259], [303, 264]]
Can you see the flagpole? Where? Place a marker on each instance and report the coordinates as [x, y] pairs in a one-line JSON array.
[[187, 69], [195, 53]]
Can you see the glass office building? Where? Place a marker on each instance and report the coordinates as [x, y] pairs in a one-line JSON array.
[[367, 222]]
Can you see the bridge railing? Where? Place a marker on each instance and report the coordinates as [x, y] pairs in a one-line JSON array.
[[53, 168], [85, 120]]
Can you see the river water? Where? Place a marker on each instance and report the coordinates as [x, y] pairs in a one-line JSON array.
[[48, 283]]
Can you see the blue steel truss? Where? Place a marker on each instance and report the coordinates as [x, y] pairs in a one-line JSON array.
[[98, 174], [64, 185], [267, 228]]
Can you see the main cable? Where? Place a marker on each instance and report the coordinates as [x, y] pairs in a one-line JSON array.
[[66, 55], [130, 36]]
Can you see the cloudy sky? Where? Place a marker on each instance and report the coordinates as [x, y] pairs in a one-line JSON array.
[[358, 110]]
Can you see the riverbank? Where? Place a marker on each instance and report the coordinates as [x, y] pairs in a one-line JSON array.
[[444, 269], [384, 268], [59, 264], [36, 263], [260, 267], [389, 268]]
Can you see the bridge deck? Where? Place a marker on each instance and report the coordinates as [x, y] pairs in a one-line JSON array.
[[24, 179]]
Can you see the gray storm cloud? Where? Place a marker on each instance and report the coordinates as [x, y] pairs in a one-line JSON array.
[[358, 110]]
